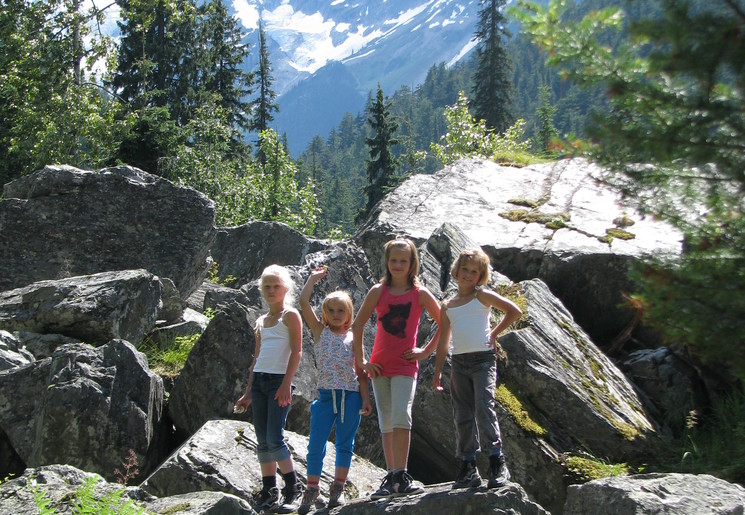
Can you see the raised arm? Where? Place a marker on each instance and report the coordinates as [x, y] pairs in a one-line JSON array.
[[358, 329], [309, 314]]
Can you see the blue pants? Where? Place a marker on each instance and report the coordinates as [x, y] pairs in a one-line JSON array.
[[473, 379], [322, 420], [268, 417]]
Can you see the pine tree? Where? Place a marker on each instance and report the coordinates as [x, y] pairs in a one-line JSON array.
[[381, 167], [492, 80], [674, 146], [546, 112], [222, 37], [264, 104]]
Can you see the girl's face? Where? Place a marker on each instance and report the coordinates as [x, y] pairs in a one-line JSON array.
[[272, 289], [336, 314], [468, 274], [399, 263]]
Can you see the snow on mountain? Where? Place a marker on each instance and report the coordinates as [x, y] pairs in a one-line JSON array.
[[342, 49]]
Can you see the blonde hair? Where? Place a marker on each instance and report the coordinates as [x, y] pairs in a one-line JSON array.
[[406, 243], [476, 256], [284, 277], [346, 300]]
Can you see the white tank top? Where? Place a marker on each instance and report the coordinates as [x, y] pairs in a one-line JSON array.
[[275, 350], [469, 326]]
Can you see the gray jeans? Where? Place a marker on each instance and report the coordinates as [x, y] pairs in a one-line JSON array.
[[473, 379]]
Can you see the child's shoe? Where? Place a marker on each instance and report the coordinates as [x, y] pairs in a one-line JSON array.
[[311, 498], [403, 484], [336, 495], [266, 500], [291, 496], [468, 476], [498, 472], [385, 488]]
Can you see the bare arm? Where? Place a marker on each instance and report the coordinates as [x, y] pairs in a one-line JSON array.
[[430, 304], [245, 399], [295, 327], [358, 328], [511, 312], [309, 314], [442, 348]]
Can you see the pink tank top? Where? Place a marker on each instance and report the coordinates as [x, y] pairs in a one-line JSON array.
[[397, 327]]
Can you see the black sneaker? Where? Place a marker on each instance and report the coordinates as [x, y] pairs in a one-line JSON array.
[[291, 497], [385, 488], [468, 476], [403, 484], [266, 500], [498, 472]]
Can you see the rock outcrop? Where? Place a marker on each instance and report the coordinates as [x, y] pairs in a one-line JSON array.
[[556, 222], [95, 308], [679, 494], [62, 222], [65, 403], [86, 407]]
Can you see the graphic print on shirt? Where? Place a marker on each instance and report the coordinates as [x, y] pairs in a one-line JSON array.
[[394, 322]]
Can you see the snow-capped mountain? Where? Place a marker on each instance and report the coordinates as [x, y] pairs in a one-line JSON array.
[[328, 55]]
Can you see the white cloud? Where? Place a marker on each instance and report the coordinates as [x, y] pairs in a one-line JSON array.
[[248, 14]]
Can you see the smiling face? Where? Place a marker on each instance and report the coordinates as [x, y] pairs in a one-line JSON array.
[[469, 274], [401, 262]]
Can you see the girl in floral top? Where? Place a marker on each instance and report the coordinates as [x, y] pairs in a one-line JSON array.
[[342, 397]]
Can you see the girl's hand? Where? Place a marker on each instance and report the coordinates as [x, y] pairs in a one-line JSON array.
[[373, 370], [243, 403], [415, 354], [318, 273], [366, 408], [283, 395], [436, 382]]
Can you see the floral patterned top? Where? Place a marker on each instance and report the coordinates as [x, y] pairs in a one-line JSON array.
[[335, 361]]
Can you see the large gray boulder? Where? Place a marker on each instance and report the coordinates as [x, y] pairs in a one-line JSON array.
[[242, 252], [95, 308], [86, 407], [216, 371], [62, 221], [221, 456], [556, 367], [549, 221], [671, 494], [62, 486]]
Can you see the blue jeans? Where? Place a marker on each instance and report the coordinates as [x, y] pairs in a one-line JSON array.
[[269, 418], [473, 379], [322, 420]]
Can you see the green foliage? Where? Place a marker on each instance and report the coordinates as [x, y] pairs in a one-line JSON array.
[[264, 104], [492, 80], [674, 146], [85, 501], [51, 109], [715, 443], [382, 165], [169, 361], [467, 137], [273, 193], [588, 469], [546, 113]]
